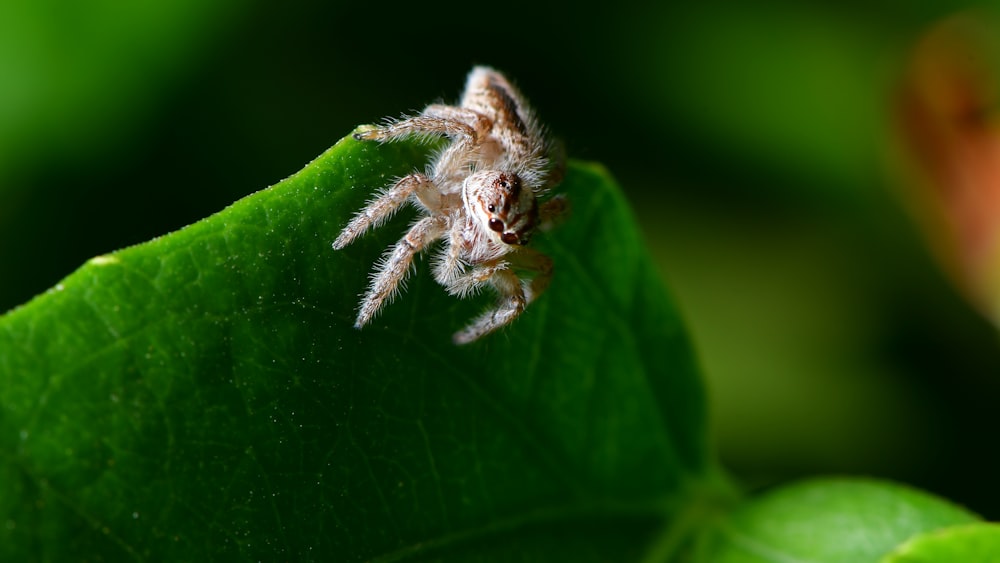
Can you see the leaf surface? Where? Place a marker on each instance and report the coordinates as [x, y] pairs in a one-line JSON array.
[[830, 521], [204, 396], [972, 543]]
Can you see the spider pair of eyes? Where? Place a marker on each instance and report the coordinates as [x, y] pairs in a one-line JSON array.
[[497, 226]]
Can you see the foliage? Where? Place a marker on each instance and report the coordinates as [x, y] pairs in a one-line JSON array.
[[831, 520], [205, 396]]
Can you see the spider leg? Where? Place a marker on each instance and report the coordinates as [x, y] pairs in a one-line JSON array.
[[428, 124], [395, 264], [479, 122], [457, 281], [515, 294], [457, 156], [381, 208], [530, 259], [449, 265], [466, 128], [510, 305], [552, 211]]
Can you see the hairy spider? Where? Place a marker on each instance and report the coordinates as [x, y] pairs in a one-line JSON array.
[[480, 194]]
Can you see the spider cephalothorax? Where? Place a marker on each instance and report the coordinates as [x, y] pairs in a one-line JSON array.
[[500, 202], [481, 194]]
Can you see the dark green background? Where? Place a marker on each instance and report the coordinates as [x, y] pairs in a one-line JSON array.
[[750, 137]]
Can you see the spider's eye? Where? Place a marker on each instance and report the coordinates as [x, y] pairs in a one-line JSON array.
[[496, 225], [491, 208]]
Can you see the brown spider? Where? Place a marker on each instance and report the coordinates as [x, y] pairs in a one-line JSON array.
[[480, 194]]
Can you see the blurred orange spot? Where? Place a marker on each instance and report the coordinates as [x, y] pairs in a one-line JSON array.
[[947, 116]]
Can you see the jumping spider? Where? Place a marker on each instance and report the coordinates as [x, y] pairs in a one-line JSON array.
[[480, 194]]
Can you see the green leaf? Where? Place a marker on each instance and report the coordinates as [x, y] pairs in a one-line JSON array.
[[972, 543], [204, 396], [829, 521]]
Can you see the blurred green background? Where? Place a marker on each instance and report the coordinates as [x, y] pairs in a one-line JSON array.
[[752, 138]]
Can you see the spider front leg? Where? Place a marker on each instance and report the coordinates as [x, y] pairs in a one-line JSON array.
[[533, 260], [515, 294], [510, 305], [395, 264], [480, 275], [458, 281], [382, 207]]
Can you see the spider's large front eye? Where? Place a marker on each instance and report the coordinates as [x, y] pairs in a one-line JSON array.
[[496, 225]]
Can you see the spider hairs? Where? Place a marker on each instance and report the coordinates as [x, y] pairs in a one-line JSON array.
[[483, 194]]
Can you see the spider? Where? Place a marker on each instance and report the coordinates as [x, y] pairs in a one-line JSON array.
[[480, 194]]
